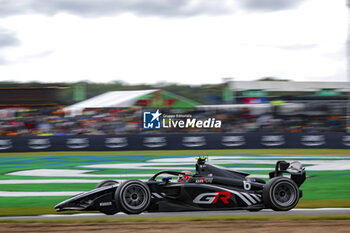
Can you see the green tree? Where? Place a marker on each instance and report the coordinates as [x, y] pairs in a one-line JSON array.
[[272, 79]]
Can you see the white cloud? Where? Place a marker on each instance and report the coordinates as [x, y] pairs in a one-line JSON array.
[[294, 44]]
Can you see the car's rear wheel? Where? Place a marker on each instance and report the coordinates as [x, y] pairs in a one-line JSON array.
[[133, 197], [281, 194], [106, 183]]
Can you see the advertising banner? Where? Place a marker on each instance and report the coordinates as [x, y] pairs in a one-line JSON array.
[[174, 142]]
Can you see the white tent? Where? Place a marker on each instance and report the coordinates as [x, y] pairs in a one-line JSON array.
[[111, 99], [256, 109]]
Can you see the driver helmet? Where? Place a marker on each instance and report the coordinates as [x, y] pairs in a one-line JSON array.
[[183, 178]]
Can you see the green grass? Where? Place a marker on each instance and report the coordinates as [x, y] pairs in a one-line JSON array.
[[327, 185], [30, 202], [47, 187], [30, 211], [334, 203], [187, 219]]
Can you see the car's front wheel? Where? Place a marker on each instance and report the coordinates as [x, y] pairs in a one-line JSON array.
[[133, 197], [108, 211], [281, 194], [106, 183]]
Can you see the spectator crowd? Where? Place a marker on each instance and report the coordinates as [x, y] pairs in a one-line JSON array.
[[56, 122]]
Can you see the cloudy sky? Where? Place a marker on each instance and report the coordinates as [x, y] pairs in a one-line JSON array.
[[183, 41]]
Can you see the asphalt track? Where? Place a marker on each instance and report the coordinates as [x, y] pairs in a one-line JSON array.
[[319, 211]]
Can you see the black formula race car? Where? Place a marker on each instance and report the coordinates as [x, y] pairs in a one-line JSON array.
[[210, 188]]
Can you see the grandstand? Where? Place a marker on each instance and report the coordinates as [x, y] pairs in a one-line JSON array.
[[262, 106], [29, 95]]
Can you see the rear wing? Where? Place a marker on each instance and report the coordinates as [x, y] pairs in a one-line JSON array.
[[295, 169]]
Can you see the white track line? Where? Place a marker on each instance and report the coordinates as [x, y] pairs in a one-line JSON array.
[[48, 181], [70, 173], [38, 194], [317, 211]]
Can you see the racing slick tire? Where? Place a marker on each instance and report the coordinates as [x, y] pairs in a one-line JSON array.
[[133, 197], [103, 184], [109, 212], [280, 194], [106, 183], [254, 210]]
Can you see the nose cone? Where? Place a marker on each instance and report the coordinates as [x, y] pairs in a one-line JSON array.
[[69, 205], [59, 206]]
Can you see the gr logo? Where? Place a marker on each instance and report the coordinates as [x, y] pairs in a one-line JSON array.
[[212, 198], [151, 120]]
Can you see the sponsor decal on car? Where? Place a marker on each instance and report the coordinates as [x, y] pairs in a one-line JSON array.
[[205, 180], [109, 203], [212, 198]]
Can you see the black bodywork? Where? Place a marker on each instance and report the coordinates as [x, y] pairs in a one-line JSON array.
[[210, 188]]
